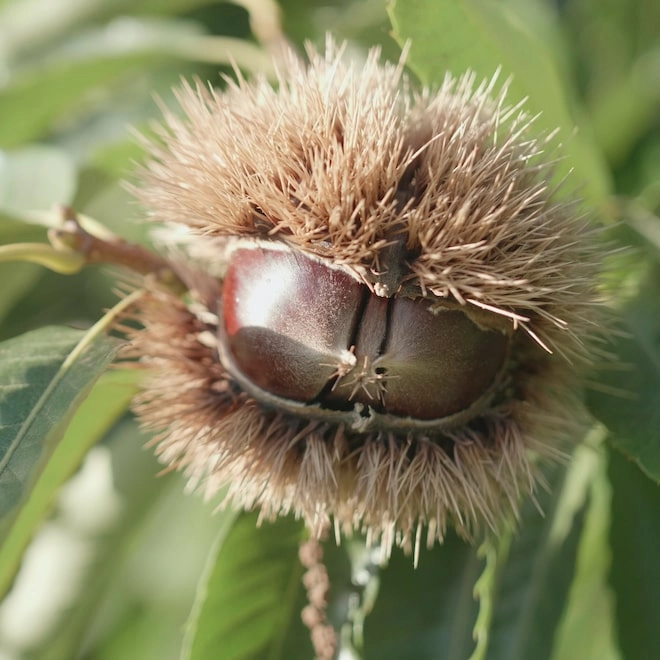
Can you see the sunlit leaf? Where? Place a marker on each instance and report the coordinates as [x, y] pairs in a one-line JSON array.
[[248, 596], [139, 493], [35, 178], [106, 402], [478, 35], [117, 159], [44, 376], [35, 104]]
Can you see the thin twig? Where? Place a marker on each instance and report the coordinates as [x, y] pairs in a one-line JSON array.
[[317, 584], [72, 236]]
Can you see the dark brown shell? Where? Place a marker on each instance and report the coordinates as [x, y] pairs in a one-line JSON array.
[[307, 332]]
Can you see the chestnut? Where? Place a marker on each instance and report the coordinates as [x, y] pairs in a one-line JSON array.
[[301, 330], [389, 307]]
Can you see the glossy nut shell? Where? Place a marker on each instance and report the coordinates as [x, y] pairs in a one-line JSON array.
[[306, 332]]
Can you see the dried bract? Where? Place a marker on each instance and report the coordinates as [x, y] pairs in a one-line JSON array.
[[389, 303]]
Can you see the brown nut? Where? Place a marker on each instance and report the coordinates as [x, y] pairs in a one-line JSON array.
[[304, 331]]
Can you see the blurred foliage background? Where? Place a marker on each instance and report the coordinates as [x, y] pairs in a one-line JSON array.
[[122, 557]]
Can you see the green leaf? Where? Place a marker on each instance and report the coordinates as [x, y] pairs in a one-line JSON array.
[[44, 376], [530, 586], [138, 490], [247, 598], [17, 278], [625, 394], [117, 159], [106, 402], [635, 576], [145, 565], [35, 178], [480, 35], [141, 632], [425, 612], [587, 630], [32, 106]]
